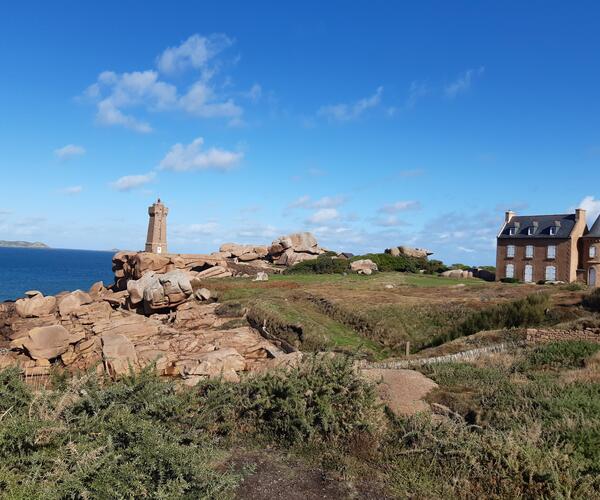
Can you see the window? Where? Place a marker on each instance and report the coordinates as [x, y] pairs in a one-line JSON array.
[[529, 252], [550, 273], [553, 230], [510, 271], [528, 275], [510, 251], [530, 230], [511, 231], [551, 253], [592, 252]]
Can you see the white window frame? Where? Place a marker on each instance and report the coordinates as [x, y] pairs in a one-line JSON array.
[[510, 274], [525, 273], [529, 252], [551, 252], [553, 230], [592, 252], [550, 278], [530, 230], [510, 251], [512, 231]]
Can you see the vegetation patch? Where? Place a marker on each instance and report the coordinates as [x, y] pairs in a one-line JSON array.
[[530, 311], [565, 354], [592, 301]]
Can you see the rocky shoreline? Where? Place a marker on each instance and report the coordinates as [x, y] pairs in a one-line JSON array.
[[158, 312]]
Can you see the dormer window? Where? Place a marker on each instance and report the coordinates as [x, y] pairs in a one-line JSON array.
[[553, 230], [512, 231], [530, 230]]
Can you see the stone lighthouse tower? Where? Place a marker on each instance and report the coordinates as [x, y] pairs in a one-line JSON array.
[[156, 242]]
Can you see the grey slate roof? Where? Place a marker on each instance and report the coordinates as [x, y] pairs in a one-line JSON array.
[[544, 222], [594, 232]]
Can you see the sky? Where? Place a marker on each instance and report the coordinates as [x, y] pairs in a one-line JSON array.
[[370, 124]]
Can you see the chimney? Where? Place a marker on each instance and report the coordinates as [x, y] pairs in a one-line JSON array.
[[508, 215], [580, 214]]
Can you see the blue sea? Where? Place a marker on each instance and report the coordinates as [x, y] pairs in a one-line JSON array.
[[51, 270]]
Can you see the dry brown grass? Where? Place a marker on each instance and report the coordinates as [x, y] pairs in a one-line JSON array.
[[590, 373]]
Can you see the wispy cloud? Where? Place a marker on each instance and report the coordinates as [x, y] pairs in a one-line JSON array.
[[463, 82], [352, 111], [72, 190], [195, 52], [400, 206], [69, 151], [181, 157], [416, 92], [130, 182], [388, 221]]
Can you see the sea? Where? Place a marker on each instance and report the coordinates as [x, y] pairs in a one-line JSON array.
[[51, 270]]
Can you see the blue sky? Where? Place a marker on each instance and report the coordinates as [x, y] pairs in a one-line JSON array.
[[371, 124]]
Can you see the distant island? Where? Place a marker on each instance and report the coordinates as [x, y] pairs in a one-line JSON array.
[[22, 244]]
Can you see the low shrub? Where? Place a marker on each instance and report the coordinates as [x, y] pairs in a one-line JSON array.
[[323, 399], [573, 287], [509, 280], [403, 263], [592, 300], [324, 264], [564, 354], [530, 311]]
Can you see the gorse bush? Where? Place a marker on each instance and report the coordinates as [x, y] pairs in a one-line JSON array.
[[530, 311], [90, 440], [143, 437], [322, 399], [592, 301]]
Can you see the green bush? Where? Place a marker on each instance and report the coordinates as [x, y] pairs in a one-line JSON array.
[[402, 263], [564, 354], [530, 311], [509, 280], [323, 399], [573, 287], [323, 264], [592, 301]]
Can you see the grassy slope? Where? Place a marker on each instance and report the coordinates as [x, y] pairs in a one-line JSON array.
[[375, 314]]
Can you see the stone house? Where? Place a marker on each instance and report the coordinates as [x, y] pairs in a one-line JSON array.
[[534, 248]]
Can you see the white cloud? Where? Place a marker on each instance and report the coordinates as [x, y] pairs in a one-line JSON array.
[[181, 158], [115, 94], [592, 205], [466, 250], [324, 215], [324, 202], [400, 206], [463, 82], [72, 190], [129, 182], [194, 53], [69, 151], [200, 100], [347, 112]]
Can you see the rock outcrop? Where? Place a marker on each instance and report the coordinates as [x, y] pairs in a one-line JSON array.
[[162, 320], [363, 266], [419, 253]]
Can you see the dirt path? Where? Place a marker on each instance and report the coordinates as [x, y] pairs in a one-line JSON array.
[[402, 391], [275, 476]]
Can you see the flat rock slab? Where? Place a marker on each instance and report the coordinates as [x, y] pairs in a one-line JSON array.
[[402, 391]]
